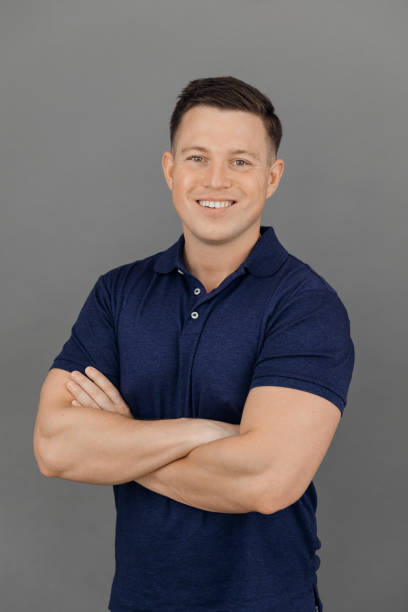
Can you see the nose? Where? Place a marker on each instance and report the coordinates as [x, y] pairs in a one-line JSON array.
[[216, 176]]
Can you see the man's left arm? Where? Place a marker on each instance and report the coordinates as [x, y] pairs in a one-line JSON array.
[[284, 436], [219, 476]]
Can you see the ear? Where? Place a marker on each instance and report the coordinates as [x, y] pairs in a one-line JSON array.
[[275, 173], [167, 165]]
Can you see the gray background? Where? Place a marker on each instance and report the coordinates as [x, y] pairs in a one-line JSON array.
[[87, 89]]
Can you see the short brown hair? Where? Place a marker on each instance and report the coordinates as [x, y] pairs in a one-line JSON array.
[[230, 93]]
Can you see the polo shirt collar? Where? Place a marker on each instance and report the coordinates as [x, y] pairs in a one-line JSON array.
[[267, 255]]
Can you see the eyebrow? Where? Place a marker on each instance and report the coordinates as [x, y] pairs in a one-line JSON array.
[[234, 152]]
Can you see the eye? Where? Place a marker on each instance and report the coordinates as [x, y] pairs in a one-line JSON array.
[[244, 162]]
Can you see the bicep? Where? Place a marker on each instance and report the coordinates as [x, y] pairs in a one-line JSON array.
[[292, 431]]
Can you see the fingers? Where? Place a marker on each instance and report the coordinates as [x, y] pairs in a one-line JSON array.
[[88, 389], [100, 391], [81, 397], [118, 404], [105, 384]]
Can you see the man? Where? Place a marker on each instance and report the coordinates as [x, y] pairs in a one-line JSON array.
[[206, 382]]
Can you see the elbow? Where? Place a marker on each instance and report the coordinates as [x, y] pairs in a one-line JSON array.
[[47, 473], [271, 496], [41, 448], [270, 507]]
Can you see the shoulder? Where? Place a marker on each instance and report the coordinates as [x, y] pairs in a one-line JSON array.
[[119, 276], [300, 285], [298, 276], [128, 278]]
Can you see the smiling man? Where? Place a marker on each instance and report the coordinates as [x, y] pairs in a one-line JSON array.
[[221, 171], [205, 382]]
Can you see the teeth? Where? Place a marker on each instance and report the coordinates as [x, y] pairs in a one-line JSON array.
[[213, 204]]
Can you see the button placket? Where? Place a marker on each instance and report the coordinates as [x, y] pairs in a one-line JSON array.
[[204, 297]]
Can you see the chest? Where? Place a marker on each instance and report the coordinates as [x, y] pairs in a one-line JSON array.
[[188, 355]]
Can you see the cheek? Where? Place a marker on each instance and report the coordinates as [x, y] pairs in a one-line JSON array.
[[250, 186], [183, 181], [259, 184]]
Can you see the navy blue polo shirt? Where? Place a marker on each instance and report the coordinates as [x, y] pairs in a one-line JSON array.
[[173, 350]]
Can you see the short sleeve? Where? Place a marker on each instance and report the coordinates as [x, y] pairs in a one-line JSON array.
[[93, 339], [307, 346]]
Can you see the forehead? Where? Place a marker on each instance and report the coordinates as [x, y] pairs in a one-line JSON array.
[[235, 129]]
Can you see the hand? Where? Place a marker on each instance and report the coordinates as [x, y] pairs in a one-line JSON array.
[[97, 391]]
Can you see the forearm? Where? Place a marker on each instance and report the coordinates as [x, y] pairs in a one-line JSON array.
[[101, 447], [218, 476]]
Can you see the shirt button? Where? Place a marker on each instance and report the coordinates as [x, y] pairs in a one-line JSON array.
[[181, 271], [194, 315], [197, 290]]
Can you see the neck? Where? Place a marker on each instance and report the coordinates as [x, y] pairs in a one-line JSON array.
[[211, 262]]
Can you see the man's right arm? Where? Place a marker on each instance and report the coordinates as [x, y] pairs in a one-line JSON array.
[[86, 444]]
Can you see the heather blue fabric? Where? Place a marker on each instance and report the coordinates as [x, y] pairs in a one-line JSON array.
[[175, 351]]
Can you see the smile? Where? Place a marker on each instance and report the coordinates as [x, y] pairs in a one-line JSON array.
[[216, 204]]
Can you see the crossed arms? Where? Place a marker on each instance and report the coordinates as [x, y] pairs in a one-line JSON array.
[[263, 465]]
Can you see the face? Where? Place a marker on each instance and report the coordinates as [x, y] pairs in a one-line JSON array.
[[220, 155]]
